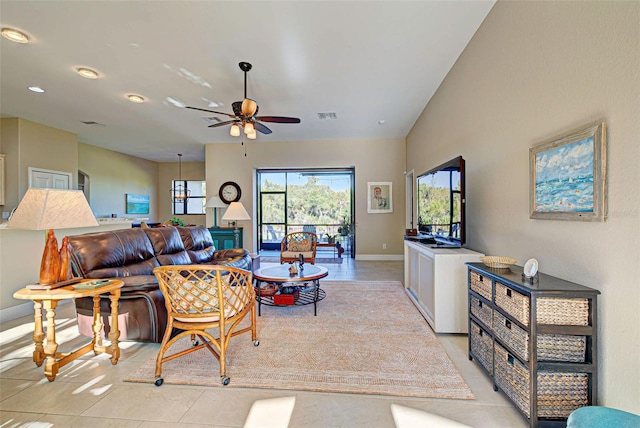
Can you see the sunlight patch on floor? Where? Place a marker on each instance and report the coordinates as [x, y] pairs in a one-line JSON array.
[[271, 413], [406, 417]]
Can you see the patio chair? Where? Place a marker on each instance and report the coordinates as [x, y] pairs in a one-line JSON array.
[[297, 243], [200, 298]]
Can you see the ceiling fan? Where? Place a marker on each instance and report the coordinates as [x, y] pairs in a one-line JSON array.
[[244, 114]]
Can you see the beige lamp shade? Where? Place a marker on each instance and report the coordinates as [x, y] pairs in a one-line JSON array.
[[215, 202], [235, 212], [42, 209]]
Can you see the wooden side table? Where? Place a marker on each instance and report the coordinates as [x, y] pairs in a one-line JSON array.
[[49, 299]]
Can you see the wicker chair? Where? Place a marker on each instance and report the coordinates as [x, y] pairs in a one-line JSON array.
[[297, 243], [202, 297]]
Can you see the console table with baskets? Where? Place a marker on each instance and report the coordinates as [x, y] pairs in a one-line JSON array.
[[536, 338]]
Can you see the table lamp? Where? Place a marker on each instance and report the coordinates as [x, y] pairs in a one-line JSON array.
[[215, 202], [234, 213], [48, 209]]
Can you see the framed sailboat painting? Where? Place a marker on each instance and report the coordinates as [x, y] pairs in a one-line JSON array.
[[568, 176]]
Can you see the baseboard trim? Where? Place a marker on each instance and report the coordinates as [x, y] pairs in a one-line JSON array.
[[380, 257]]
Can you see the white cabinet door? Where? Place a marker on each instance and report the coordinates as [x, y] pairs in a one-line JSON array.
[[427, 285], [47, 179]]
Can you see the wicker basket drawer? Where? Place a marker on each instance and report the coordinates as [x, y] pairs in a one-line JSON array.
[[555, 311], [559, 393], [551, 347], [514, 303], [481, 285], [482, 347], [481, 310]]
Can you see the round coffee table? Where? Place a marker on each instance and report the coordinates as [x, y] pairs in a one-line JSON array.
[[280, 275]]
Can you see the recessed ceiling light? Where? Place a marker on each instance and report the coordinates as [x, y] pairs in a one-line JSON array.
[[135, 98], [87, 73], [382, 122], [14, 35], [35, 89]]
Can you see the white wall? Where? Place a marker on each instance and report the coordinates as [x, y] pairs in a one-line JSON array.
[[533, 71]]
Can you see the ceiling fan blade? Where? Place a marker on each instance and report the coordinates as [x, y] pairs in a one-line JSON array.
[[278, 119], [211, 111], [260, 127], [215, 125], [249, 107]]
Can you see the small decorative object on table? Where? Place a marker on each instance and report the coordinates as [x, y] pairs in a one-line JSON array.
[[498, 262], [301, 262], [292, 270], [530, 271]]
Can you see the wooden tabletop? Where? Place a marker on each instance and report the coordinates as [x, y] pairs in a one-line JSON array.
[[67, 292], [281, 273]]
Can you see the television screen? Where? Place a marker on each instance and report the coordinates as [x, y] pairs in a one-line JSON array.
[[441, 202]]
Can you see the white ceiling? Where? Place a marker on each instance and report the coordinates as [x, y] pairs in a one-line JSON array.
[[365, 61]]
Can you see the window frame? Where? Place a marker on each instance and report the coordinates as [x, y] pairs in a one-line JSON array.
[[185, 203]]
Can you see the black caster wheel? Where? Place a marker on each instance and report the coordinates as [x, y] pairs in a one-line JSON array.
[[495, 387], [196, 342], [159, 381], [256, 342], [225, 380]]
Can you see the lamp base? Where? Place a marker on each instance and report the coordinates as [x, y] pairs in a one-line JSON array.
[[50, 264]]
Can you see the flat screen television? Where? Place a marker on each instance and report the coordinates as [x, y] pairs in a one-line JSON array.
[[441, 204]]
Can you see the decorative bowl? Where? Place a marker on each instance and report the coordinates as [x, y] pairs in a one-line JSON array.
[[268, 290], [498, 262]]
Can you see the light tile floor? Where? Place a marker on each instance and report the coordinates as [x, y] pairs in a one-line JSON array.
[[90, 392]]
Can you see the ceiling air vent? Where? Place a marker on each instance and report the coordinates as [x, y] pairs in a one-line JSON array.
[[92, 123], [328, 116]]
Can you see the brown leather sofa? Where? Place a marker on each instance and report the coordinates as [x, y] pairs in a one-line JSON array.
[[130, 255]]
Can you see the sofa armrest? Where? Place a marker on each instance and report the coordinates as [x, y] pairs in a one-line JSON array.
[[236, 257], [231, 253]]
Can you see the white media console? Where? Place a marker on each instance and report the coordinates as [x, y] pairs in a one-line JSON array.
[[436, 281]]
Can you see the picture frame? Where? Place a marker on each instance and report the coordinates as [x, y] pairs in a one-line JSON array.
[[568, 176], [379, 197], [137, 204]]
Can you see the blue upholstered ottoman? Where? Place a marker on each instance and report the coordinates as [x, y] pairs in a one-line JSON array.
[[602, 417]]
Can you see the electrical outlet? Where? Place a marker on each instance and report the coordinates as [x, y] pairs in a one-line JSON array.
[[384, 246]]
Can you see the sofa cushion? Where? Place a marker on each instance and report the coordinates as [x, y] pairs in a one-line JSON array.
[[168, 246], [198, 243], [116, 253]]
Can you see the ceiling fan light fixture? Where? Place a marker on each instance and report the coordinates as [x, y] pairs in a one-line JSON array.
[[249, 129], [14, 35], [249, 107], [235, 130], [252, 136]]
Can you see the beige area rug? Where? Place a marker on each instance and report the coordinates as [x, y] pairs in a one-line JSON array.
[[368, 338]]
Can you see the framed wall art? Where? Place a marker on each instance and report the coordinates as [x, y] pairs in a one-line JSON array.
[[568, 176], [380, 197], [137, 204]]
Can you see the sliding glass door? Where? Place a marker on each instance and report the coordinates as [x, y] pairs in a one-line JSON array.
[[316, 200]]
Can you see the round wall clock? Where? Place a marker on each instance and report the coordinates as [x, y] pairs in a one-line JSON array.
[[229, 192]]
